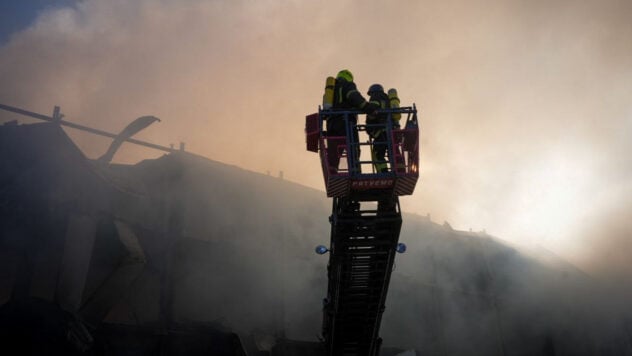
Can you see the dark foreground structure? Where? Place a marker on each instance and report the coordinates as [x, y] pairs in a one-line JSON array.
[[73, 245]]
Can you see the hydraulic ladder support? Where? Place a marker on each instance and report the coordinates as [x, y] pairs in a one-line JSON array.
[[362, 252]]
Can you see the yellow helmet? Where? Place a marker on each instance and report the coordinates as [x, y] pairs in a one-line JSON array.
[[346, 75]]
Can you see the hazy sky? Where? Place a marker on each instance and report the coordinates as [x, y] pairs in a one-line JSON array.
[[526, 106]]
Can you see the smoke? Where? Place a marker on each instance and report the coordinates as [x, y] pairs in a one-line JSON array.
[[235, 248], [607, 242], [244, 259], [524, 105]]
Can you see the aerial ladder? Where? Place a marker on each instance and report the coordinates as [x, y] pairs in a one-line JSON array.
[[365, 223]]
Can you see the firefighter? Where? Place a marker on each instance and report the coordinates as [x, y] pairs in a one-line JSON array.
[[347, 97], [378, 97], [378, 133]]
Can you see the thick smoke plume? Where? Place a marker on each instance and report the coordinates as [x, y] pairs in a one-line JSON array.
[[525, 105]]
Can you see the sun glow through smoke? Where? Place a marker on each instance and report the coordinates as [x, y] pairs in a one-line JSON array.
[[550, 197]]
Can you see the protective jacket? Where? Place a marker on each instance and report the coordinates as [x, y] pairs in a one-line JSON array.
[[347, 96], [381, 100]]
